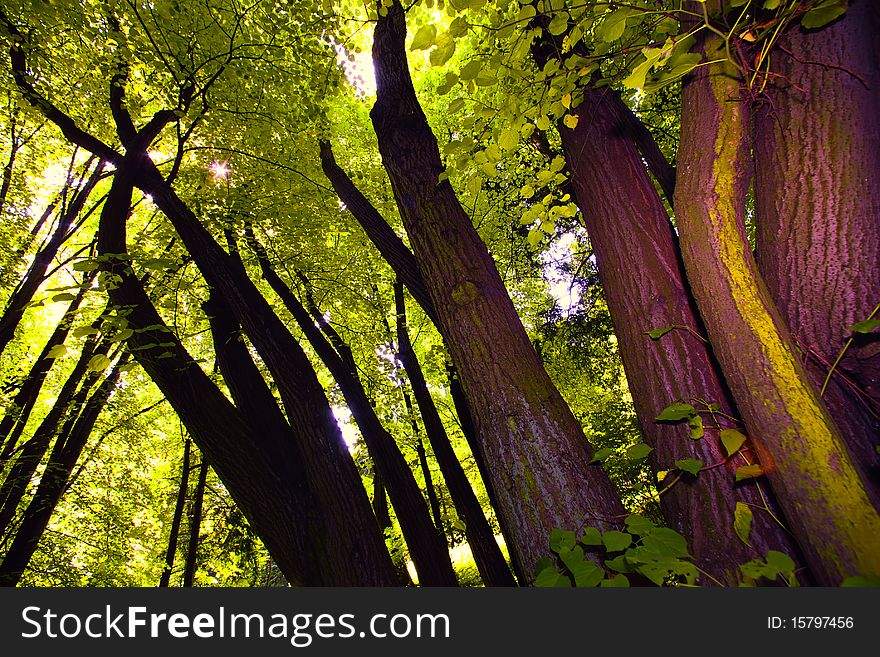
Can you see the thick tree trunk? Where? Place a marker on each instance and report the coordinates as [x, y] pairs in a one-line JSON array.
[[258, 470], [177, 518], [54, 481], [644, 285], [380, 502], [36, 273], [430, 491], [427, 547], [19, 411], [487, 555], [824, 500], [195, 526], [534, 447], [817, 194]]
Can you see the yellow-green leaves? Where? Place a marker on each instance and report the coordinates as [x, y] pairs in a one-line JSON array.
[[732, 440], [691, 466], [749, 472], [823, 13], [424, 38], [742, 522]]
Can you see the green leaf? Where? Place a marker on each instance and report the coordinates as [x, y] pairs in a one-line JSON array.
[[749, 471], [602, 454], [64, 296], [696, 425], [471, 70], [657, 333], [638, 452], [666, 542], [586, 574], [691, 466], [58, 351], [732, 440], [771, 4], [562, 539], [591, 536], [618, 564], [612, 28], [742, 522], [82, 331], [823, 14], [99, 363], [780, 562], [424, 38], [86, 265], [738, 3], [550, 578], [639, 525], [619, 581], [865, 326], [559, 24], [862, 581], [615, 541], [570, 121], [443, 52], [676, 412]]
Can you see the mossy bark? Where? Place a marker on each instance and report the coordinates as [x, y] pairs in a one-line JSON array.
[[535, 449], [822, 495], [817, 193], [644, 283]]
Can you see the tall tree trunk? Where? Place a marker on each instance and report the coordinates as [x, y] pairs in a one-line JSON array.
[[259, 471], [430, 491], [36, 274], [817, 194], [487, 555], [817, 486], [19, 411], [644, 285], [54, 482], [426, 546], [177, 518], [534, 447], [380, 502], [195, 525]]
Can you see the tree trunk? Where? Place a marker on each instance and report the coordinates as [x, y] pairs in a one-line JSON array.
[[380, 503], [487, 555], [534, 447], [19, 411], [426, 546], [54, 482], [173, 536], [817, 194], [36, 274], [195, 525], [644, 284], [259, 472], [430, 491], [817, 486]]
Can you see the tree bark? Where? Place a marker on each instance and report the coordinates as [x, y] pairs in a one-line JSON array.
[[255, 469], [426, 546], [824, 500], [487, 555], [534, 447], [817, 195], [380, 503], [195, 525], [645, 288], [177, 518]]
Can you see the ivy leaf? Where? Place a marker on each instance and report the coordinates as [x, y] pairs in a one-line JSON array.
[[823, 14], [443, 52], [612, 28], [636, 524], [862, 581], [691, 466], [666, 542], [615, 541], [638, 452], [657, 333], [586, 574], [559, 24], [618, 564], [619, 581], [676, 412], [570, 121], [696, 425], [424, 38], [83, 331], [742, 522], [865, 326], [86, 265], [732, 440], [562, 540], [749, 471], [591, 536], [550, 578], [780, 562]]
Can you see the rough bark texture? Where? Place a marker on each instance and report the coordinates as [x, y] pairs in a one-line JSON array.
[[257, 469], [817, 194], [824, 500], [195, 526], [487, 555], [426, 546], [534, 447], [644, 285], [177, 518]]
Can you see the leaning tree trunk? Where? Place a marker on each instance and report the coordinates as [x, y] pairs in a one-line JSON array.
[[534, 447], [644, 284], [817, 486], [195, 526], [817, 194], [177, 518]]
